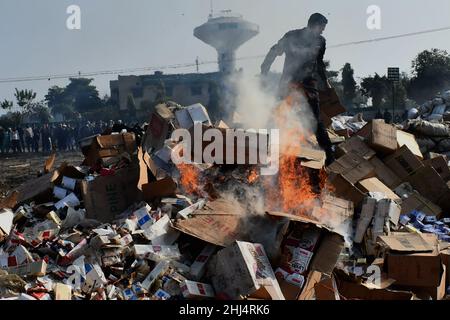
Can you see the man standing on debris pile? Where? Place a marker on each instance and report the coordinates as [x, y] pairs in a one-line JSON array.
[[304, 68]]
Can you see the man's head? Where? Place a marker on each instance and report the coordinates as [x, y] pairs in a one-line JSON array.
[[317, 23]]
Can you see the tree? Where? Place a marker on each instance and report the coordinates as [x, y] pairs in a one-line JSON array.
[[25, 99], [42, 112], [82, 95], [375, 87], [431, 70], [6, 105], [59, 102], [349, 85]]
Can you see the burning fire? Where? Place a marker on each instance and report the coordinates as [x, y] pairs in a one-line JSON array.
[[252, 176], [189, 178]]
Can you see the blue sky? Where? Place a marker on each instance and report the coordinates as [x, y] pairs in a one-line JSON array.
[[118, 34]]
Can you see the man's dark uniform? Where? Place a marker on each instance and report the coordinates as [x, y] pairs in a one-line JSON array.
[[304, 67]]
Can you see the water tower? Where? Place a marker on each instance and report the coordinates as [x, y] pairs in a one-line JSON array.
[[226, 32]]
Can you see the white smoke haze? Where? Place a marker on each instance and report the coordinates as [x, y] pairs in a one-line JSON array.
[[257, 107]]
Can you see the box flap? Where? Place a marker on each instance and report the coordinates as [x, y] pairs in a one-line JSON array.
[[406, 242], [408, 140]]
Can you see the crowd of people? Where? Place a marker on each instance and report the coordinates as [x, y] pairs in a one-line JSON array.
[[47, 137]]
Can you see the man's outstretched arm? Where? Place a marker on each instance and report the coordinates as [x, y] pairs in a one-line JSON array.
[[275, 51]]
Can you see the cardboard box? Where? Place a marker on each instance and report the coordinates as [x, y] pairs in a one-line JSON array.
[[353, 167], [416, 202], [158, 189], [440, 164], [403, 162], [191, 115], [311, 158], [63, 291], [353, 289], [196, 290], [160, 125], [333, 211], [198, 267], [108, 196], [345, 189], [428, 183], [108, 146], [433, 292], [357, 146], [445, 256], [6, 222], [408, 140], [244, 269], [375, 185], [37, 269], [380, 136], [367, 213], [384, 174], [413, 259], [391, 210]]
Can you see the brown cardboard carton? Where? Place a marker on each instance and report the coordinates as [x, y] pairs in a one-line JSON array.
[[440, 164], [108, 196], [158, 189], [416, 202], [353, 167], [403, 162], [435, 292], [333, 210], [242, 269], [428, 183], [408, 139], [353, 289], [411, 262], [63, 291], [355, 145], [345, 189], [159, 127], [445, 256], [380, 136], [375, 185], [37, 269], [386, 175], [109, 146]]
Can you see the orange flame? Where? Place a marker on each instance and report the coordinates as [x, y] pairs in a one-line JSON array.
[[190, 178], [252, 176]]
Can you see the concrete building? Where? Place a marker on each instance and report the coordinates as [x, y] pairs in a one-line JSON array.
[[185, 89]]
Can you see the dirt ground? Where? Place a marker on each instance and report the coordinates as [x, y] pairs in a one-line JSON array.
[[15, 169]]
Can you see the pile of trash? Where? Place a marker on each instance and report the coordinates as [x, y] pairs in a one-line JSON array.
[[430, 124], [130, 224]]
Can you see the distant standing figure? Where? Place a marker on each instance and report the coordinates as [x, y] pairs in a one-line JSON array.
[[15, 141]]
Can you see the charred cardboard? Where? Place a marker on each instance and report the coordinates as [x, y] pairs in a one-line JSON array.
[[419, 203], [355, 145], [353, 167], [109, 146], [384, 174], [159, 127], [440, 164], [403, 162], [428, 183], [413, 259], [408, 140], [107, 196], [380, 136], [243, 269], [375, 185]]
